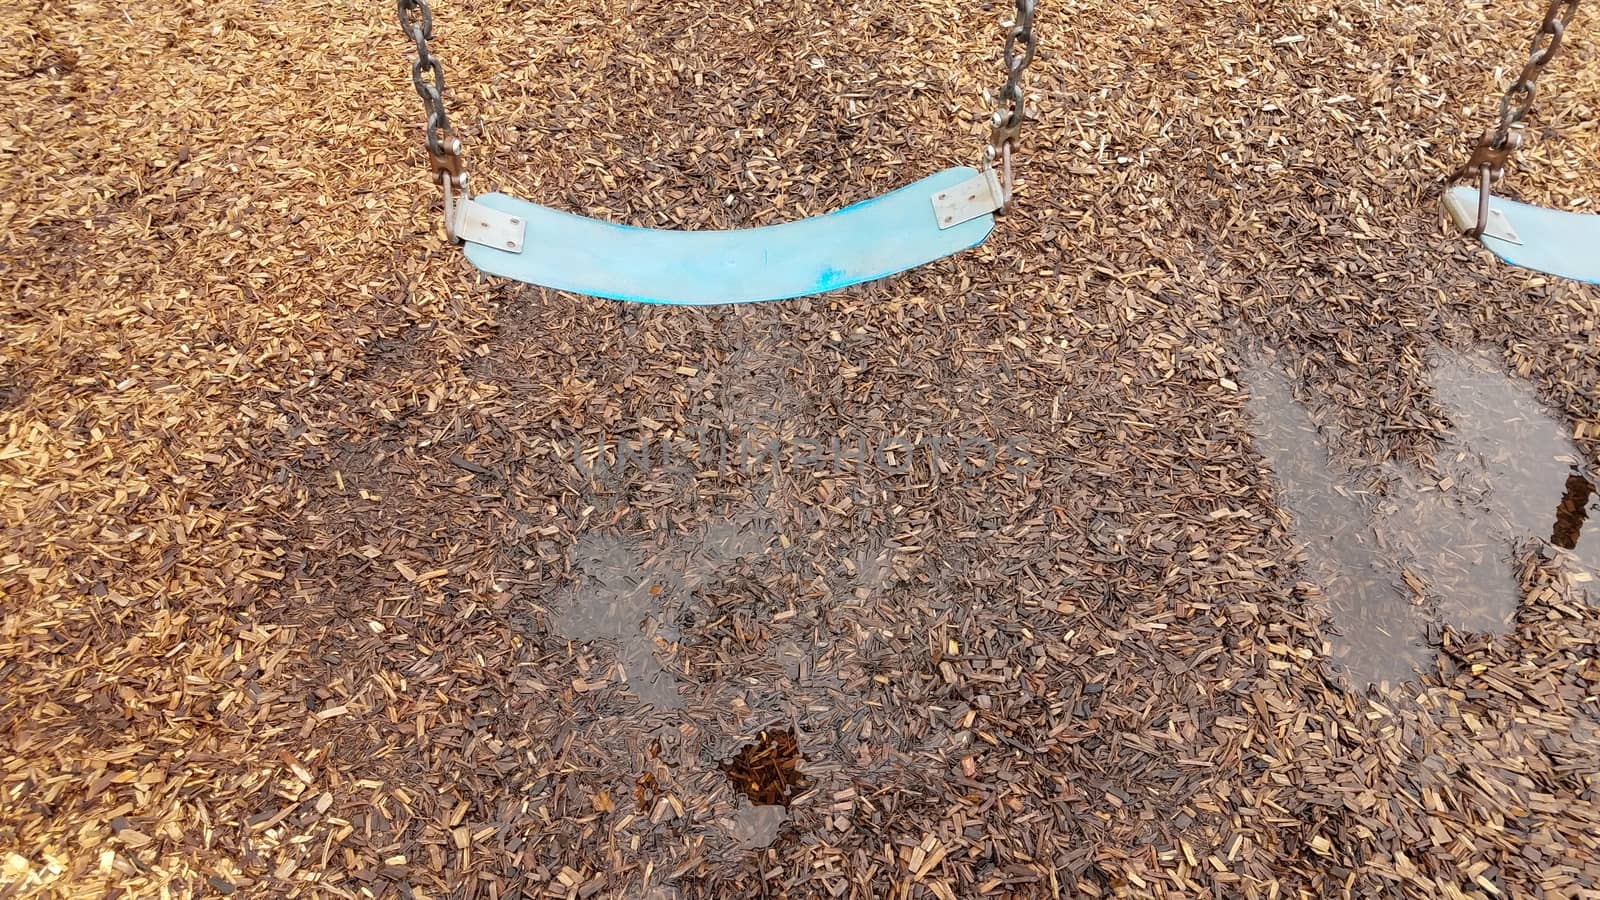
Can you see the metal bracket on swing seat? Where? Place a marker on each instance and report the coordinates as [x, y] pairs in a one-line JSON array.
[[467, 220], [1462, 204], [979, 195]]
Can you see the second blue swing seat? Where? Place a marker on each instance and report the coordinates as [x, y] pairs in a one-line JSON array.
[[1553, 241], [869, 240]]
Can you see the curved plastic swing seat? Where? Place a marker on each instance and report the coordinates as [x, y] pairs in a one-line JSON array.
[[870, 240], [1553, 241]]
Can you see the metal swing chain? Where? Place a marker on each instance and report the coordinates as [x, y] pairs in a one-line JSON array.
[[427, 75], [449, 167], [1495, 147], [1006, 124]]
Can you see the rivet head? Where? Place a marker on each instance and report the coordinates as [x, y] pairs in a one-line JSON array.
[[511, 244]]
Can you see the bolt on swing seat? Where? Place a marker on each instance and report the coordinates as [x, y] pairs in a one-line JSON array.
[[1556, 242], [938, 216]]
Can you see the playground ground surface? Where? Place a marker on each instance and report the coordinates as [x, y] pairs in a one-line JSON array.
[[303, 591]]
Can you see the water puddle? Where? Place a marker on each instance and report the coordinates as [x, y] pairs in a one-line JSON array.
[[1378, 630], [755, 827], [617, 604], [1443, 542], [624, 587], [792, 658]]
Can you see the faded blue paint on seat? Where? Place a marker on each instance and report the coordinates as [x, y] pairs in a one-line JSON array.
[[872, 239], [1556, 242]]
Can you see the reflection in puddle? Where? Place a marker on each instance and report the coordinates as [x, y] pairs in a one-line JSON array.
[[1534, 485], [1503, 477], [646, 788], [767, 770], [1502, 480], [623, 588], [1570, 516], [1379, 631]]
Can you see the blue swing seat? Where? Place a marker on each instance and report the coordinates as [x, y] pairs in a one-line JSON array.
[[1553, 241], [872, 239]]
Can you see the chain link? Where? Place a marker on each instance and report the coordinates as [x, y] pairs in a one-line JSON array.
[[427, 76], [1011, 110], [1496, 146]]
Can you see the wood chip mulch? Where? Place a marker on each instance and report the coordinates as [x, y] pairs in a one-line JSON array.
[[289, 506]]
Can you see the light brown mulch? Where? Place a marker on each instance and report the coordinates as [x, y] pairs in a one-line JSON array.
[[290, 515]]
